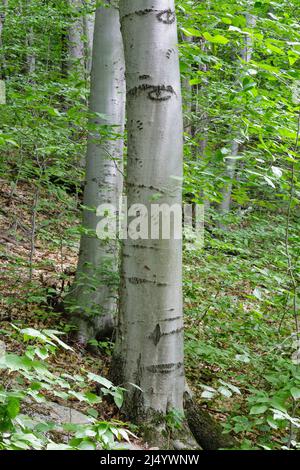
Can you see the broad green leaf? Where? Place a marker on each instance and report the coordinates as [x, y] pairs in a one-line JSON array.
[[191, 32], [218, 39], [295, 392], [101, 380], [258, 409]]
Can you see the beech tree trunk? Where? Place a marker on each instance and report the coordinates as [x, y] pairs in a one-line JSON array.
[[93, 298], [231, 161], [88, 26], [30, 56], [31, 60], [230, 173], [3, 9], [149, 349], [76, 56]]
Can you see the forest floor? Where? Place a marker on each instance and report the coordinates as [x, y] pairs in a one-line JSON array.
[[239, 319]]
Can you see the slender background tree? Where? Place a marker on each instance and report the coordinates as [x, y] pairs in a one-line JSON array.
[[94, 293]]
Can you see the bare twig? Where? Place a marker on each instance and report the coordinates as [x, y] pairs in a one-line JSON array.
[[33, 230]]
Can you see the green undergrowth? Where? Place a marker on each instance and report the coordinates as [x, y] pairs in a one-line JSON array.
[[241, 347]]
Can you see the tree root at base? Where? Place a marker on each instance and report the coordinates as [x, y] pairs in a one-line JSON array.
[[207, 432]]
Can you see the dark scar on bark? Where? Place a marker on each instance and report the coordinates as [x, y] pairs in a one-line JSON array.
[[144, 77], [171, 319], [173, 332], [141, 12], [169, 53], [138, 280], [145, 247], [164, 368], [156, 335], [166, 16], [143, 186], [155, 92], [140, 125]]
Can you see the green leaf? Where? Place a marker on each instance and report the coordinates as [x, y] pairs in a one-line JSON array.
[[118, 398], [258, 409], [243, 358], [231, 387], [13, 407], [195, 81], [191, 32], [274, 48], [226, 20], [207, 394], [87, 445], [218, 39], [100, 380], [92, 398], [295, 392], [60, 342], [54, 446], [225, 392], [32, 333], [257, 293], [269, 181]]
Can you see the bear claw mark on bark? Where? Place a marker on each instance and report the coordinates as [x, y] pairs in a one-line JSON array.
[[155, 92], [166, 16], [169, 53], [140, 125]]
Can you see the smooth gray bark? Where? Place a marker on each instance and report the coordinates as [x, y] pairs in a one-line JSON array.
[[2, 21], [149, 349], [93, 298], [231, 161], [88, 27], [230, 173], [30, 57], [76, 49]]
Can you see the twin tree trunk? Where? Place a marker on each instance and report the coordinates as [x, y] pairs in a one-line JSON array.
[[148, 357], [93, 299], [149, 348]]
